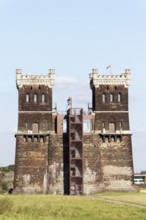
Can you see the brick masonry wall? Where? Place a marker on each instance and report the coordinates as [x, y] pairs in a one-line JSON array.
[[117, 118], [107, 166], [98, 104], [42, 167], [39, 165], [31, 105], [32, 140], [55, 166], [42, 156], [117, 164], [31, 165], [26, 120], [92, 165]]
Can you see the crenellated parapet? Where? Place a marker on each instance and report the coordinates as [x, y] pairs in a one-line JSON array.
[[122, 79], [47, 80]]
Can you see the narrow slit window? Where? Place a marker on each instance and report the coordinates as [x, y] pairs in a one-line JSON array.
[[103, 97], [43, 98], [35, 98], [27, 98], [111, 98], [119, 97]]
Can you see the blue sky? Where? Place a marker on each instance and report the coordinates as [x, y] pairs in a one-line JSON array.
[[72, 36]]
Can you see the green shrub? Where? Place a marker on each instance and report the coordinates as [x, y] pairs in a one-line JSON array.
[[7, 169], [4, 187]]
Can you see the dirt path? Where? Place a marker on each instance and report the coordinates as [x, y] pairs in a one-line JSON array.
[[117, 202]]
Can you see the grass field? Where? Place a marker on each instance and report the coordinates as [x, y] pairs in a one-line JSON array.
[[52, 207], [133, 198]]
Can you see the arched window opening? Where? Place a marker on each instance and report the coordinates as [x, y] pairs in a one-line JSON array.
[[35, 128], [43, 98], [103, 97], [119, 97], [111, 98], [112, 127], [27, 98], [35, 98]]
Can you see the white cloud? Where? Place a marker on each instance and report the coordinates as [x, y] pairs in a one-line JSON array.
[[71, 87], [86, 84], [8, 131], [82, 95], [139, 132], [63, 82]]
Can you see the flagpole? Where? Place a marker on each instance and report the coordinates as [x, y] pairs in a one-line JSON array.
[[109, 67]]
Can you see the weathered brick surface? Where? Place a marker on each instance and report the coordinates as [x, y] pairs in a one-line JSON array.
[[31, 105], [98, 105], [55, 166], [117, 164], [92, 164], [26, 120], [114, 146], [107, 166], [42, 149], [32, 144], [39, 165], [116, 118]]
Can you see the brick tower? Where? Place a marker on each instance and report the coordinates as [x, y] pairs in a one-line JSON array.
[[110, 106], [74, 152], [35, 125]]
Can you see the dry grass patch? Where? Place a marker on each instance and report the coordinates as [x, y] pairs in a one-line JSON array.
[[134, 198], [49, 207]]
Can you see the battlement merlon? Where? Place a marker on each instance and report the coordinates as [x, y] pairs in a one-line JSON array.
[[47, 80], [122, 79]]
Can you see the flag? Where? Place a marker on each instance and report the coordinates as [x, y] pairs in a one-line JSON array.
[[69, 101], [108, 67]]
